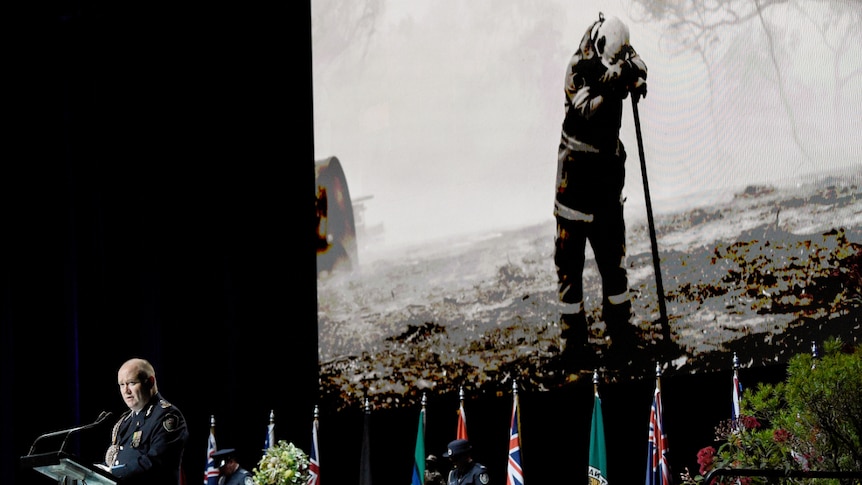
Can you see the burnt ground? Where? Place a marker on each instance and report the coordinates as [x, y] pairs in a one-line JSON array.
[[762, 275]]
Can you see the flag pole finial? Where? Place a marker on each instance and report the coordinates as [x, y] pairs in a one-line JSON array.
[[658, 369], [424, 399], [367, 406], [735, 361], [212, 420], [461, 393], [514, 386], [271, 416], [596, 382], [316, 411], [814, 354]]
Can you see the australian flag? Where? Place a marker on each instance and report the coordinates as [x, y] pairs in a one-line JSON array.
[[313, 457], [211, 473], [658, 470], [514, 473]]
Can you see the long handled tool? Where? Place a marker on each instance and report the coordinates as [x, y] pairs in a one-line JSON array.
[[662, 308]]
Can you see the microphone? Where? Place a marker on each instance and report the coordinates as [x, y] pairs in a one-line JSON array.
[[102, 416]]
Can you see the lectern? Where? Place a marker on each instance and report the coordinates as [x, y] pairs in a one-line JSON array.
[[63, 467], [67, 469]]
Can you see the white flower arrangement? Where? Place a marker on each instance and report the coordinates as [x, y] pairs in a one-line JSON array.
[[282, 464]]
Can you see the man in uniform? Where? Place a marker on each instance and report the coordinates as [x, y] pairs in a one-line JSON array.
[[590, 178], [465, 471], [230, 473], [148, 441], [433, 473]]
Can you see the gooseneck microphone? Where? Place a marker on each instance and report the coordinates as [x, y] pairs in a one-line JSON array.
[[102, 416]]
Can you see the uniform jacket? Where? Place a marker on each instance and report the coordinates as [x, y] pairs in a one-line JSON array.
[[240, 477], [591, 158], [477, 475], [151, 444]]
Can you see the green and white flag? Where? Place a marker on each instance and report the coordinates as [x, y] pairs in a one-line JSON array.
[[598, 466]]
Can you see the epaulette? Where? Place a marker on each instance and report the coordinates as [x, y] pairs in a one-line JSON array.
[[164, 404]]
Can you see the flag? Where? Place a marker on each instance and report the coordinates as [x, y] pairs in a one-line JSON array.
[[737, 392], [365, 457], [598, 464], [211, 472], [270, 432], [514, 472], [461, 433], [658, 470], [313, 457], [419, 453]]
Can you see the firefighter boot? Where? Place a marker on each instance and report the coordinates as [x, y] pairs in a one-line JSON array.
[[576, 355], [624, 348]]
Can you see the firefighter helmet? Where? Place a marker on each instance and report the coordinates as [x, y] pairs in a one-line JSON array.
[[610, 37]]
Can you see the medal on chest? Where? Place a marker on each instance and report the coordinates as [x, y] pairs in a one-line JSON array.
[[136, 438]]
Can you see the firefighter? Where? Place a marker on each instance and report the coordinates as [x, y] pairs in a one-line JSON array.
[[590, 176]]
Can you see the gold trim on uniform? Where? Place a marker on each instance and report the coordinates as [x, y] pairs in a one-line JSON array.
[[114, 449]]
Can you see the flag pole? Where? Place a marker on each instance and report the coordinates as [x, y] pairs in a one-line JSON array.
[[736, 391], [365, 457], [270, 431], [518, 406], [814, 355], [314, 456], [424, 404]]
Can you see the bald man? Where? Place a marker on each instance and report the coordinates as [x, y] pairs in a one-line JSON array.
[[148, 441]]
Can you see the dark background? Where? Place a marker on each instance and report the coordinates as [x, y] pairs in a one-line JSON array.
[[157, 201]]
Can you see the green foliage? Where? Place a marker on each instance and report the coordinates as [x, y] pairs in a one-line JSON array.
[[282, 464], [811, 421]]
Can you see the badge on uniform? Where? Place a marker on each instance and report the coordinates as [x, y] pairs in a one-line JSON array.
[[136, 438], [249, 481], [484, 478], [170, 422]]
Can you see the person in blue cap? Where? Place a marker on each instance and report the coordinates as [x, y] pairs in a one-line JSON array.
[[230, 472], [465, 471]]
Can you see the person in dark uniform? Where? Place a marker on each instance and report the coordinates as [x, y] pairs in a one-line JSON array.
[[433, 471], [588, 205], [465, 471], [230, 472], [148, 441]]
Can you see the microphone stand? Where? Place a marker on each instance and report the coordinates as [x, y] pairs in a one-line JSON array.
[[102, 416]]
